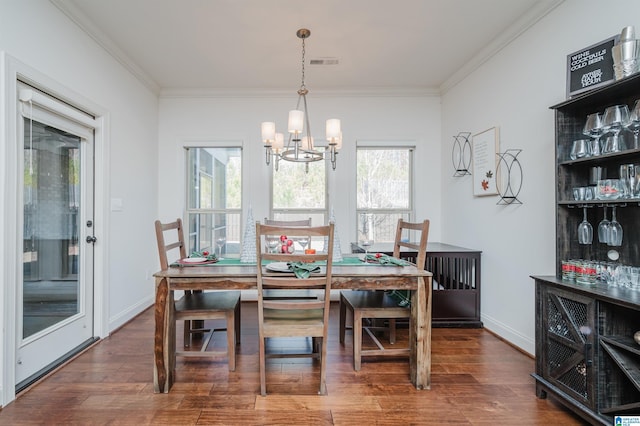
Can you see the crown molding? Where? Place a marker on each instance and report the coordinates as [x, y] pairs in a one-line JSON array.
[[85, 24], [540, 10], [288, 93], [526, 21]]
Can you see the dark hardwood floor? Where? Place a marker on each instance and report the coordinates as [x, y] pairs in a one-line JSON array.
[[477, 379]]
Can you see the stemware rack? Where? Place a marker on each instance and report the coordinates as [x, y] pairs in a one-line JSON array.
[[585, 354], [461, 154], [510, 177]]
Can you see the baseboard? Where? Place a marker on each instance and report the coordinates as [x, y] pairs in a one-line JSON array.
[[131, 312], [523, 343]]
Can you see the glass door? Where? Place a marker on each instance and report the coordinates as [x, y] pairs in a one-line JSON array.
[[55, 315]]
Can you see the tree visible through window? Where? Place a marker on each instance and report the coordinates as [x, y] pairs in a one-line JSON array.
[[384, 191], [297, 194]]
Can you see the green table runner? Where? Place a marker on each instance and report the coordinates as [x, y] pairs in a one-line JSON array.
[[351, 261], [402, 297]]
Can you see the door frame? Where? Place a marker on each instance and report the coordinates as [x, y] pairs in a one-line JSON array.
[[12, 70]]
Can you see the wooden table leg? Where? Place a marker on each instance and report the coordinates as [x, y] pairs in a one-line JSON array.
[[161, 366], [420, 331]]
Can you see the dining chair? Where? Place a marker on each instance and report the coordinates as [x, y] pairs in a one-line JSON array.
[[371, 306], [196, 306], [285, 317]]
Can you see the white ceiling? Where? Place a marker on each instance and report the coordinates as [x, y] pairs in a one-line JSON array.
[[177, 46]]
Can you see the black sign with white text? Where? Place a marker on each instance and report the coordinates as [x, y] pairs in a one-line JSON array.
[[591, 67]]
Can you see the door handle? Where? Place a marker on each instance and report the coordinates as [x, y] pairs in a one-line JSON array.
[[91, 239]]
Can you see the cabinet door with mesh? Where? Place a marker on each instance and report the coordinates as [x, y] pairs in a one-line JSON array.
[[568, 352]]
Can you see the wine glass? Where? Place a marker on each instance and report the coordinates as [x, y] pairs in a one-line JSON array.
[[628, 179], [634, 123], [303, 241], [603, 228], [585, 230], [593, 128], [272, 242], [580, 149], [220, 242], [615, 231], [615, 119], [366, 243]]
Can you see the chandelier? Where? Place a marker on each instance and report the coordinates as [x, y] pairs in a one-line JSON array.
[[300, 145]]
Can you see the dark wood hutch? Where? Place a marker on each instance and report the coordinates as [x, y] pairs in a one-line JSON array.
[[586, 356]]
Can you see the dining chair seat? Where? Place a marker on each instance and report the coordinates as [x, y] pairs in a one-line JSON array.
[[218, 305], [367, 308], [366, 305], [194, 307]]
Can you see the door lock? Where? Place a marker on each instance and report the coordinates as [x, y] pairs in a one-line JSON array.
[[91, 239]]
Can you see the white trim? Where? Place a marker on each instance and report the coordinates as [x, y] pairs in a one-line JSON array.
[[209, 143], [85, 24], [535, 14], [515, 30], [386, 143], [238, 92], [8, 257], [123, 317], [11, 71], [508, 333], [31, 96]]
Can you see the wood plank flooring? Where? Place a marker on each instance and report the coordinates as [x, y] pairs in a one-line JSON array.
[[477, 379]]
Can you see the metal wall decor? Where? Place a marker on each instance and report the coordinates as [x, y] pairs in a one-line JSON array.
[[461, 154], [510, 175]]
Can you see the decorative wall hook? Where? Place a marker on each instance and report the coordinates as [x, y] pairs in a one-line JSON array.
[[509, 181], [461, 154]]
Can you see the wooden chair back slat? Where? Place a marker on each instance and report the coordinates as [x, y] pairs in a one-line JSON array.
[[421, 246], [176, 241]]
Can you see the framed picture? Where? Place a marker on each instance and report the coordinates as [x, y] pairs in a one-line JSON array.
[[485, 148]]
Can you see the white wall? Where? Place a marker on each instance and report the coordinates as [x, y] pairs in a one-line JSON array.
[[211, 119], [513, 91], [40, 36]]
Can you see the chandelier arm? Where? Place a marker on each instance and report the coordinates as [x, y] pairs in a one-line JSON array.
[[333, 157], [306, 115]]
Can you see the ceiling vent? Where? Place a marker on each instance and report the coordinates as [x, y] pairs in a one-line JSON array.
[[324, 61]]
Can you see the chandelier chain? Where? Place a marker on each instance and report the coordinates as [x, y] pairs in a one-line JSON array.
[[302, 86]]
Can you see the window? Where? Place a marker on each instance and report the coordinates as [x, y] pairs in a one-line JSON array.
[[214, 199], [384, 191], [297, 194]]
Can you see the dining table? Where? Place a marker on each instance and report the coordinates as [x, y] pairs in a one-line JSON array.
[[350, 273]]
